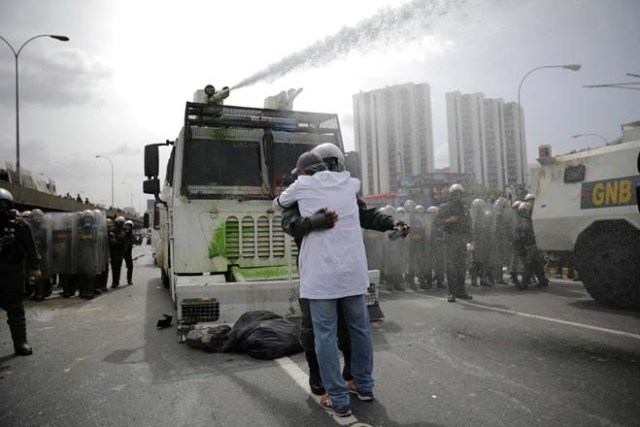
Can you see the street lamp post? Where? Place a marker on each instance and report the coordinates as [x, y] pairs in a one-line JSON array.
[[16, 54], [572, 67], [111, 162], [579, 135], [130, 193]]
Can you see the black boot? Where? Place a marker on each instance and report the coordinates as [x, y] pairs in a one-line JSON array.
[[129, 276], [315, 382], [18, 326]]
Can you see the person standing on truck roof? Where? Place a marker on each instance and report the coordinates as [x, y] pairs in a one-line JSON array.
[[298, 227], [333, 268], [454, 218]]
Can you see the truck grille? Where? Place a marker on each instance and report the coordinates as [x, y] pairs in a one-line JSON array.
[[199, 310], [256, 238]]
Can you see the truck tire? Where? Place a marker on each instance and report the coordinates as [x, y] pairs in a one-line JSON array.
[[608, 265]]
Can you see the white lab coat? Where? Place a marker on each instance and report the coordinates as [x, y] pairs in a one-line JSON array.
[[332, 262]]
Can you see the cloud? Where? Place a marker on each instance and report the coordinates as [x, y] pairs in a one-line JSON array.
[[60, 77]]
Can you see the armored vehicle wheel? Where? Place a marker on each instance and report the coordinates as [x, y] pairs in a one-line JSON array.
[[608, 265]]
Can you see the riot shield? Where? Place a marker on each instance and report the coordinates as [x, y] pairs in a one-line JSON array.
[[373, 241], [103, 239], [86, 244], [62, 245], [41, 228], [417, 242]]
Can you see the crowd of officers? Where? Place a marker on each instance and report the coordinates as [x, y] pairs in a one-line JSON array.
[[70, 249], [484, 238]]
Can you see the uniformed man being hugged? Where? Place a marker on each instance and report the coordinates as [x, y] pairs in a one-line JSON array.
[[16, 246]]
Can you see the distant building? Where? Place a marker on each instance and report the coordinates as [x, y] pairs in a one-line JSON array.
[[484, 139], [393, 135]]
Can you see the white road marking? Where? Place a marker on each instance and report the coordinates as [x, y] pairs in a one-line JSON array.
[[545, 318], [301, 378]]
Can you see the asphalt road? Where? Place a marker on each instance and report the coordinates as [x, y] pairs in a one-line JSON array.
[[507, 358]]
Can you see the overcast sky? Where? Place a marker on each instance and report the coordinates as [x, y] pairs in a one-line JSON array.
[[122, 80]]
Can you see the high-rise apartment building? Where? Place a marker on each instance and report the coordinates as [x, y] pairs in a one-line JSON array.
[[484, 139], [393, 135]]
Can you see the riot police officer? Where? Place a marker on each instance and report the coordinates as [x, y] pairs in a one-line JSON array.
[[484, 244], [526, 246], [503, 238], [128, 248], [456, 223], [516, 264], [116, 249], [435, 250], [16, 246], [418, 247], [87, 254]]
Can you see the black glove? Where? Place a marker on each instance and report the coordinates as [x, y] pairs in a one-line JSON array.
[[323, 219], [402, 226]]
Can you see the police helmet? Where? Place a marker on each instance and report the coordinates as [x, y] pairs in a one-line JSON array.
[[409, 204], [37, 216], [388, 210], [14, 214], [456, 191], [433, 210], [400, 210], [525, 209], [478, 204], [6, 200], [331, 155], [119, 220], [529, 197], [516, 204], [456, 187], [128, 224], [26, 214], [420, 209]]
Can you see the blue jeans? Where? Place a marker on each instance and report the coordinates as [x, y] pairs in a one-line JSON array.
[[324, 314]]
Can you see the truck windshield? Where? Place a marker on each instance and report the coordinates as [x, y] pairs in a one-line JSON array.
[[287, 148], [222, 162]]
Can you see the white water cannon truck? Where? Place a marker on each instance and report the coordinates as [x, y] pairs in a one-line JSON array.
[[221, 248], [587, 203]]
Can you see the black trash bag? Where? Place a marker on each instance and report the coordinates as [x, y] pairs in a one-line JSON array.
[[243, 325], [271, 339], [263, 335], [215, 338]]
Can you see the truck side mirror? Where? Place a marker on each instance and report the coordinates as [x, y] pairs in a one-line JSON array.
[[151, 161], [151, 186]]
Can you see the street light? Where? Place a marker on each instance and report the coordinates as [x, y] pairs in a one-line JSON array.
[[111, 162], [130, 193], [572, 67], [16, 54], [579, 135]]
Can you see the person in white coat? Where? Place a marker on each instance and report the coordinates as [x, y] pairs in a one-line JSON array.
[[333, 267]]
